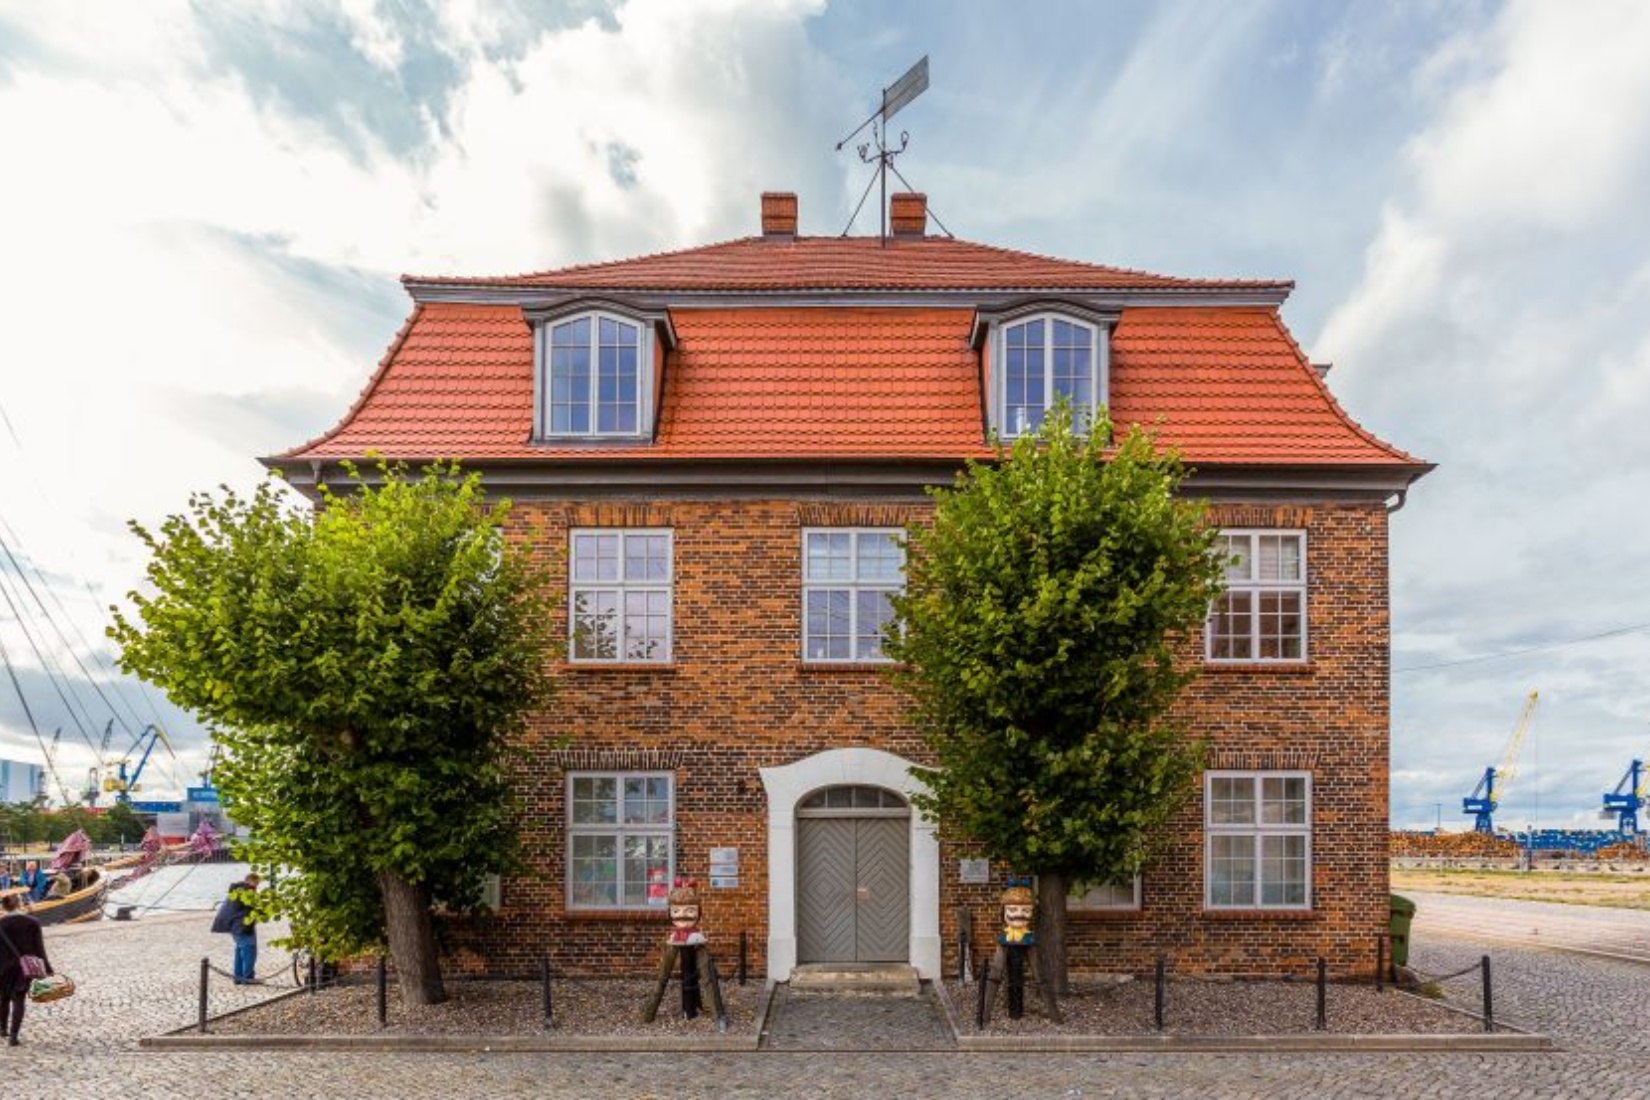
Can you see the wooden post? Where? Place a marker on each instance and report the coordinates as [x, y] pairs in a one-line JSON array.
[[667, 962], [708, 979], [691, 1001]]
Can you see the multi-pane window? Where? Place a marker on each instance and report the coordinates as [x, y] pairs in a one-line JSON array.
[[1090, 897], [595, 376], [848, 578], [619, 840], [1044, 359], [1259, 837], [620, 595], [1261, 616]]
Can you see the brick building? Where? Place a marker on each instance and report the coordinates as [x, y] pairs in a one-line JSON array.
[[715, 449]]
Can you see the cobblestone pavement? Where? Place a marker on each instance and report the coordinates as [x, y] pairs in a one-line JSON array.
[[140, 979], [812, 1021], [1578, 927]]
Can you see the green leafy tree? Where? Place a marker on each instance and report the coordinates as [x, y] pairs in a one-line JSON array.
[[364, 666], [1038, 632]]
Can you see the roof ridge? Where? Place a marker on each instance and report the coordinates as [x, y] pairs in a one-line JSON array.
[[570, 269]]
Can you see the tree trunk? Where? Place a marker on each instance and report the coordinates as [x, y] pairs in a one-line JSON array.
[[1051, 930], [412, 939]]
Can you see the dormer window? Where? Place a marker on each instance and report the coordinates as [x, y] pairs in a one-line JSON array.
[[598, 373], [1040, 356]]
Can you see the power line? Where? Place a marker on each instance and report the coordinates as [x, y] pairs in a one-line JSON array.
[[1523, 652]]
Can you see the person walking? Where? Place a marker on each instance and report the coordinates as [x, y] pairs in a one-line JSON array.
[[19, 938], [236, 917]]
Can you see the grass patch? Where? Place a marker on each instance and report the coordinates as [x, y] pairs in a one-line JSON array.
[[1615, 891]]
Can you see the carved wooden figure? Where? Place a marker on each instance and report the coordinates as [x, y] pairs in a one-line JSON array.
[[1015, 960], [687, 943]]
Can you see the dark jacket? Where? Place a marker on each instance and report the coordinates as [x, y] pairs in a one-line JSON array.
[[234, 915], [21, 936]]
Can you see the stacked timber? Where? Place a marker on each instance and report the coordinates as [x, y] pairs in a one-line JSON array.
[[1467, 845], [1627, 851]]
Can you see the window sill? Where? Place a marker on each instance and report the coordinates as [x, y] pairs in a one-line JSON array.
[[1264, 668], [847, 666], [1261, 914], [1104, 914], [620, 916], [617, 666]]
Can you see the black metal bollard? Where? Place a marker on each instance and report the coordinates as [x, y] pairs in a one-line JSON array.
[[1489, 1002], [314, 974], [206, 974], [1323, 995], [1162, 965], [544, 980], [1380, 964], [985, 986], [742, 956], [383, 991]]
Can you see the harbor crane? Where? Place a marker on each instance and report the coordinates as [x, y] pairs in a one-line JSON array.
[[1485, 797], [124, 782], [1628, 798]]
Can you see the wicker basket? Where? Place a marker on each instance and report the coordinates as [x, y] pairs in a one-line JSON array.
[[53, 987]]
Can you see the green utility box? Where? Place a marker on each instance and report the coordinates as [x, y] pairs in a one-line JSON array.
[[1403, 911]]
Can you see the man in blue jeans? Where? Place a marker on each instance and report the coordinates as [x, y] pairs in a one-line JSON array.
[[235, 916]]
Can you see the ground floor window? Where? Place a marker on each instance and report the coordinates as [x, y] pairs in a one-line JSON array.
[[1103, 897], [620, 839], [1258, 836]]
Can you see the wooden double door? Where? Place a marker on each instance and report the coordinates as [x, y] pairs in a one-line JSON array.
[[854, 879]]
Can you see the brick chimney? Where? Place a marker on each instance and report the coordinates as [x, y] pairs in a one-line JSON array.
[[908, 213], [779, 215]]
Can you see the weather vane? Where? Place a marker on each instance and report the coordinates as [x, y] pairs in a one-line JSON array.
[[877, 151]]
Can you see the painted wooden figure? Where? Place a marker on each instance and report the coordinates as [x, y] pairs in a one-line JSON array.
[[687, 942]]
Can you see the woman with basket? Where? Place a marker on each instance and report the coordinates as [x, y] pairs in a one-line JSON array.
[[22, 960]]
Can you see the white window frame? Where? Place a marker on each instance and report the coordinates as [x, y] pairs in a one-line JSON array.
[[619, 830], [543, 344], [853, 586], [1099, 365], [1258, 830], [1256, 588], [1077, 903], [621, 585]]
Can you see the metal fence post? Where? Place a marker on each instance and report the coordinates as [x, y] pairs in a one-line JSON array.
[[544, 980], [1380, 964], [985, 986], [1323, 994], [383, 991], [742, 955], [206, 974], [1157, 1008], [1489, 1002]]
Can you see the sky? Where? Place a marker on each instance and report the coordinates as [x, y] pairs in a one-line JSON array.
[[205, 209]]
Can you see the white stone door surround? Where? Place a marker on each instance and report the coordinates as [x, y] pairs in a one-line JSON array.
[[788, 785]]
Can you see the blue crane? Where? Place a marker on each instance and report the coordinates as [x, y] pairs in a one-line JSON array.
[[122, 783], [1628, 797], [1485, 797]]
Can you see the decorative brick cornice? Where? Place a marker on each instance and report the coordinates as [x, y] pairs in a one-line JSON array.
[[846, 514], [616, 760], [1262, 760]]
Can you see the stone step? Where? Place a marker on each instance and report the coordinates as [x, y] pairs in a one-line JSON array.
[[861, 979]]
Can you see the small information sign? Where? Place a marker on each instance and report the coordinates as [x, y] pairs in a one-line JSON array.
[[974, 872], [724, 868]]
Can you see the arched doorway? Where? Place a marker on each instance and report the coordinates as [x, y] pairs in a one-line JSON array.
[[853, 866]]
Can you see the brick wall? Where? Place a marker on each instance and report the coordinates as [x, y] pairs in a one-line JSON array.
[[737, 698]]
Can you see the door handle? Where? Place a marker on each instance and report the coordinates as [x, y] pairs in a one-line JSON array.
[[863, 893]]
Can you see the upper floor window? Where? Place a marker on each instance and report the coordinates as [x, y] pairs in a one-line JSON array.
[[1262, 614], [597, 371], [1045, 358], [849, 577], [621, 587]]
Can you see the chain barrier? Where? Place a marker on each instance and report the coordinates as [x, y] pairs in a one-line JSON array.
[[1425, 977], [260, 979]]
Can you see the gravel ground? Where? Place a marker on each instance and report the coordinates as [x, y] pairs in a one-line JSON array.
[[1193, 1007], [496, 1008]]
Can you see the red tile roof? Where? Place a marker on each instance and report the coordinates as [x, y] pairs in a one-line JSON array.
[[1227, 386], [849, 263]]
